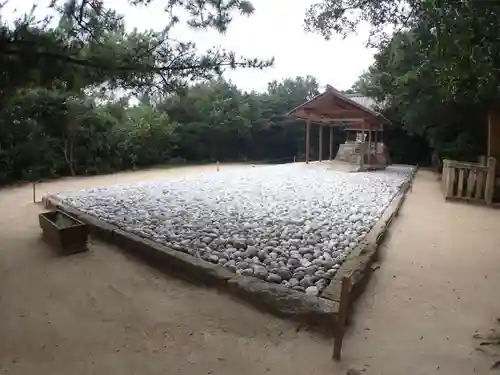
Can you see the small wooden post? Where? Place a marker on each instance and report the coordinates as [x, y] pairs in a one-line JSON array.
[[444, 174], [34, 192], [449, 178], [490, 180], [470, 183], [450, 181], [461, 179], [294, 158], [308, 137], [331, 144], [342, 317], [480, 185], [320, 156]]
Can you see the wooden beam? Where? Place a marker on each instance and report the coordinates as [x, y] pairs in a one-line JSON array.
[[349, 117], [338, 113], [356, 126], [320, 156], [308, 137], [345, 301], [323, 117], [331, 144]]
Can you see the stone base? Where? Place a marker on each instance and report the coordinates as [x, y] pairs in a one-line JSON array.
[[315, 312], [347, 152]]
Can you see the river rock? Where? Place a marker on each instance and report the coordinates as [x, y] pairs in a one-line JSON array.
[[293, 217], [247, 272], [260, 272], [312, 290], [273, 278], [306, 282]]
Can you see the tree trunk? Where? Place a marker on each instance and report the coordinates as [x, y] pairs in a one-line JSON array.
[[68, 155]]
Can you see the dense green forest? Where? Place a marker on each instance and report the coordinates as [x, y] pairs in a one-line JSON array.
[[436, 74], [59, 114], [49, 132]]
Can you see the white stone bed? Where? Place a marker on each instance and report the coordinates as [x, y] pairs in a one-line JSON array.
[[290, 224]]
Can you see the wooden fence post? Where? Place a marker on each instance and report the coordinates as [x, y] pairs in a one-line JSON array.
[[490, 180], [448, 177], [444, 175], [342, 317]]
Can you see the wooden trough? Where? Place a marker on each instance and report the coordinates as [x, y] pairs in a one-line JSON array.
[[64, 232]]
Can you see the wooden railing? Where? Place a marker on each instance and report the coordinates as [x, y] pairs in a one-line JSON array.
[[469, 181]]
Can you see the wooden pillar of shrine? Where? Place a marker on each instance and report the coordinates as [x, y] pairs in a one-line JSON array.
[[370, 145], [308, 138], [330, 154], [363, 147], [320, 148]]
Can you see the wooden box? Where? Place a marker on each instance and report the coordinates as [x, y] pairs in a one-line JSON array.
[[66, 233]]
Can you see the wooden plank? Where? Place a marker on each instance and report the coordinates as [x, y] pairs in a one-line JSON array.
[[461, 176], [450, 182], [342, 317], [490, 181], [468, 200], [471, 182], [444, 175], [479, 194], [459, 164]]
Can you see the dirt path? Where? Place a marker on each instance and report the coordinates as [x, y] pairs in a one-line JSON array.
[[438, 283], [103, 313]]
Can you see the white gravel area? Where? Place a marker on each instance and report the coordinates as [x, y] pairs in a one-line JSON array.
[[290, 224]]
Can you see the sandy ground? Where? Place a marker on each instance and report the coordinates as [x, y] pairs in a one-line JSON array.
[[103, 313], [438, 283]]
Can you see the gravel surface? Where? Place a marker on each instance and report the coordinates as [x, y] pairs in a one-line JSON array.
[[285, 224]]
